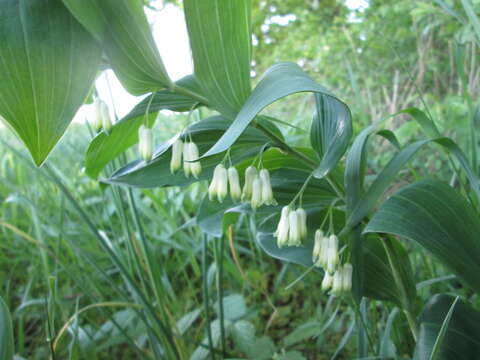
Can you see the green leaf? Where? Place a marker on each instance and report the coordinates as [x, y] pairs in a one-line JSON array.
[[434, 215], [204, 133], [443, 330], [6, 333], [213, 218], [43, 79], [280, 80], [220, 35], [460, 340], [330, 133], [121, 27], [472, 16], [105, 147]]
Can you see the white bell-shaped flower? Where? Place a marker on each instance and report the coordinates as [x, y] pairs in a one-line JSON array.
[[234, 182], [176, 160], [195, 167], [250, 175], [327, 281], [283, 227], [256, 200], [302, 220], [294, 238], [267, 192], [145, 142], [317, 247], [323, 257], [337, 283], [332, 253], [186, 160], [101, 115], [347, 272], [212, 189], [222, 183]]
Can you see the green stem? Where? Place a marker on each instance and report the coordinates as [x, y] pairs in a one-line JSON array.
[[205, 297], [187, 92], [220, 295]]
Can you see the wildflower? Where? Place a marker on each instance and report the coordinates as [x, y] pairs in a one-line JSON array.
[[317, 247], [327, 281], [221, 183], [250, 175], [302, 223], [101, 116], [145, 142], [213, 188], [283, 226], [191, 165], [337, 283], [332, 253], [176, 161], [256, 200], [347, 277], [294, 238], [234, 182], [267, 193]]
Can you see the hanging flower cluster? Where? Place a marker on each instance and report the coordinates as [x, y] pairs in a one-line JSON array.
[[101, 118], [224, 180], [326, 255], [145, 143], [257, 188], [292, 227], [189, 152]]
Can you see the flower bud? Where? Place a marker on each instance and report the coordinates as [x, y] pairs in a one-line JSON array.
[[250, 175], [222, 183], [337, 283], [234, 182], [317, 247], [347, 277], [145, 143], [267, 193], [195, 167], [332, 253], [294, 238], [283, 226], [176, 161], [256, 193], [95, 119], [302, 220], [327, 281]]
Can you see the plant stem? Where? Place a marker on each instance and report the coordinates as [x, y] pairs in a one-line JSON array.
[[220, 295], [205, 297], [187, 92]]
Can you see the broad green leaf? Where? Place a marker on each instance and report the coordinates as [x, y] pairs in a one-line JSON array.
[[214, 217], [234, 307], [435, 216], [121, 27], [220, 35], [443, 330], [330, 133], [472, 16], [460, 341], [105, 147], [204, 134], [43, 79], [6, 333], [280, 80], [367, 202]]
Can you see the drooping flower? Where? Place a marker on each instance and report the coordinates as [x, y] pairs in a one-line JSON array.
[[176, 161], [145, 142], [337, 283], [101, 116], [250, 175], [267, 192], [327, 281], [294, 238], [212, 189], [283, 227], [317, 247], [332, 253], [191, 164], [302, 223], [234, 182], [347, 277], [256, 200], [222, 183]]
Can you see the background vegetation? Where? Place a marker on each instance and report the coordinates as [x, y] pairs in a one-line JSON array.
[[67, 298]]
